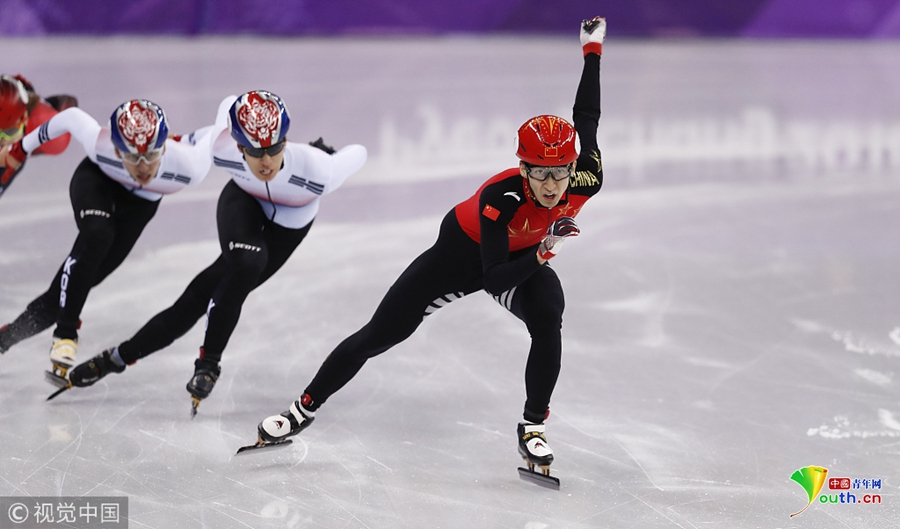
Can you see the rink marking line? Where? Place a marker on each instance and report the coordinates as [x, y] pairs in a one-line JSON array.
[[300, 441]]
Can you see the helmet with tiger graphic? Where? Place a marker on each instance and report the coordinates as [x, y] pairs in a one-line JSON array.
[[547, 141], [259, 119], [138, 126]]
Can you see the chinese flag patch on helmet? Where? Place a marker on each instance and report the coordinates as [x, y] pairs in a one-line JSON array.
[[546, 140]]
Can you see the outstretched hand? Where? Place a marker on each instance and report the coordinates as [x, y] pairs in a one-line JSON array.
[[557, 233], [593, 33], [320, 144], [12, 157]]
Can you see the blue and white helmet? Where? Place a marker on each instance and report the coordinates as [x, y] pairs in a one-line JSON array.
[[138, 126], [259, 119]]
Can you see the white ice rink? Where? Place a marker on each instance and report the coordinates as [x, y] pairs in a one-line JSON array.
[[733, 302]]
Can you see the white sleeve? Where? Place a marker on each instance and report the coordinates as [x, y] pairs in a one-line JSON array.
[[222, 113], [74, 121], [346, 161], [202, 139]]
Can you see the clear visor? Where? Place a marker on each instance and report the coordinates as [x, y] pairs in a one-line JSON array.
[[557, 172], [147, 157]]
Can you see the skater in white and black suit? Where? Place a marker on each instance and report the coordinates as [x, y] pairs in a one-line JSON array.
[[263, 214], [115, 191], [499, 240]]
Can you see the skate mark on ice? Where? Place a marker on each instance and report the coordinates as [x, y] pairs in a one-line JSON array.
[[370, 458], [481, 428], [576, 448], [638, 463], [77, 444], [335, 501], [654, 306], [875, 377], [126, 414]]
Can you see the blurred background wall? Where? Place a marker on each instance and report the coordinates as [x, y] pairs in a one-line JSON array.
[[637, 18]]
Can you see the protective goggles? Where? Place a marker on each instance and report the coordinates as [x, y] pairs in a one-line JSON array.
[[272, 150], [9, 134], [557, 172], [147, 157]]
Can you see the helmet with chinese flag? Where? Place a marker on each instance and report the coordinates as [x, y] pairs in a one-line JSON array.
[[546, 140]]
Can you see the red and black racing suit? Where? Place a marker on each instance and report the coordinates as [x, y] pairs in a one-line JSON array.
[[486, 242]]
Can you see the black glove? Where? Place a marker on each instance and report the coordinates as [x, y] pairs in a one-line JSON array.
[[320, 144], [62, 101]]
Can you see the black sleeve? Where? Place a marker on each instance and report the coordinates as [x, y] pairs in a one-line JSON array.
[[501, 274], [586, 115]]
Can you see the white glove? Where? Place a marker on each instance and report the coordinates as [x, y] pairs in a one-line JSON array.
[[593, 33]]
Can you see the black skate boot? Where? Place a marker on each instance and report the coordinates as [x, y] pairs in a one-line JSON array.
[[275, 430], [535, 450], [206, 372], [88, 373]]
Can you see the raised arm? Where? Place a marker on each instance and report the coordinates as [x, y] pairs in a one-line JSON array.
[[586, 111]]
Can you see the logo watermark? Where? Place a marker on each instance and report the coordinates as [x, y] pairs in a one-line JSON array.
[[43, 512], [840, 490]]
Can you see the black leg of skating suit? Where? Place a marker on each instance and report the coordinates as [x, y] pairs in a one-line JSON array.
[[450, 268], [539, 303], [253, 249], [38, 316], [110, 219]]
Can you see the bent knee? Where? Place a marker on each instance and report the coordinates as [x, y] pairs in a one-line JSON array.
[[97, 235], [250, 261]]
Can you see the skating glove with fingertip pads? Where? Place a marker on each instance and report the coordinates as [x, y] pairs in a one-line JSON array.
[[593, 33], [561, 228]]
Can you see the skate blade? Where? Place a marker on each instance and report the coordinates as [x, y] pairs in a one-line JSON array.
[[59, 369], [59, 381], [57, 392], [195, 402], [544, 480], [261, 446]]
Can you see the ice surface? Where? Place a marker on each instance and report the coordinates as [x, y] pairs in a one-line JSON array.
[[733, 304]]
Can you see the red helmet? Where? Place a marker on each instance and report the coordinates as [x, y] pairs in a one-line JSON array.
[[13, 102], [546, 140]]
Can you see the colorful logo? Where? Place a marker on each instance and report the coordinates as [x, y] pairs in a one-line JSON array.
[[842, 491], [812, 479]]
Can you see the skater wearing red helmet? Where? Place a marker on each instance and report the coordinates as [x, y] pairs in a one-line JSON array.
[[21, 111], [499, 241]]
